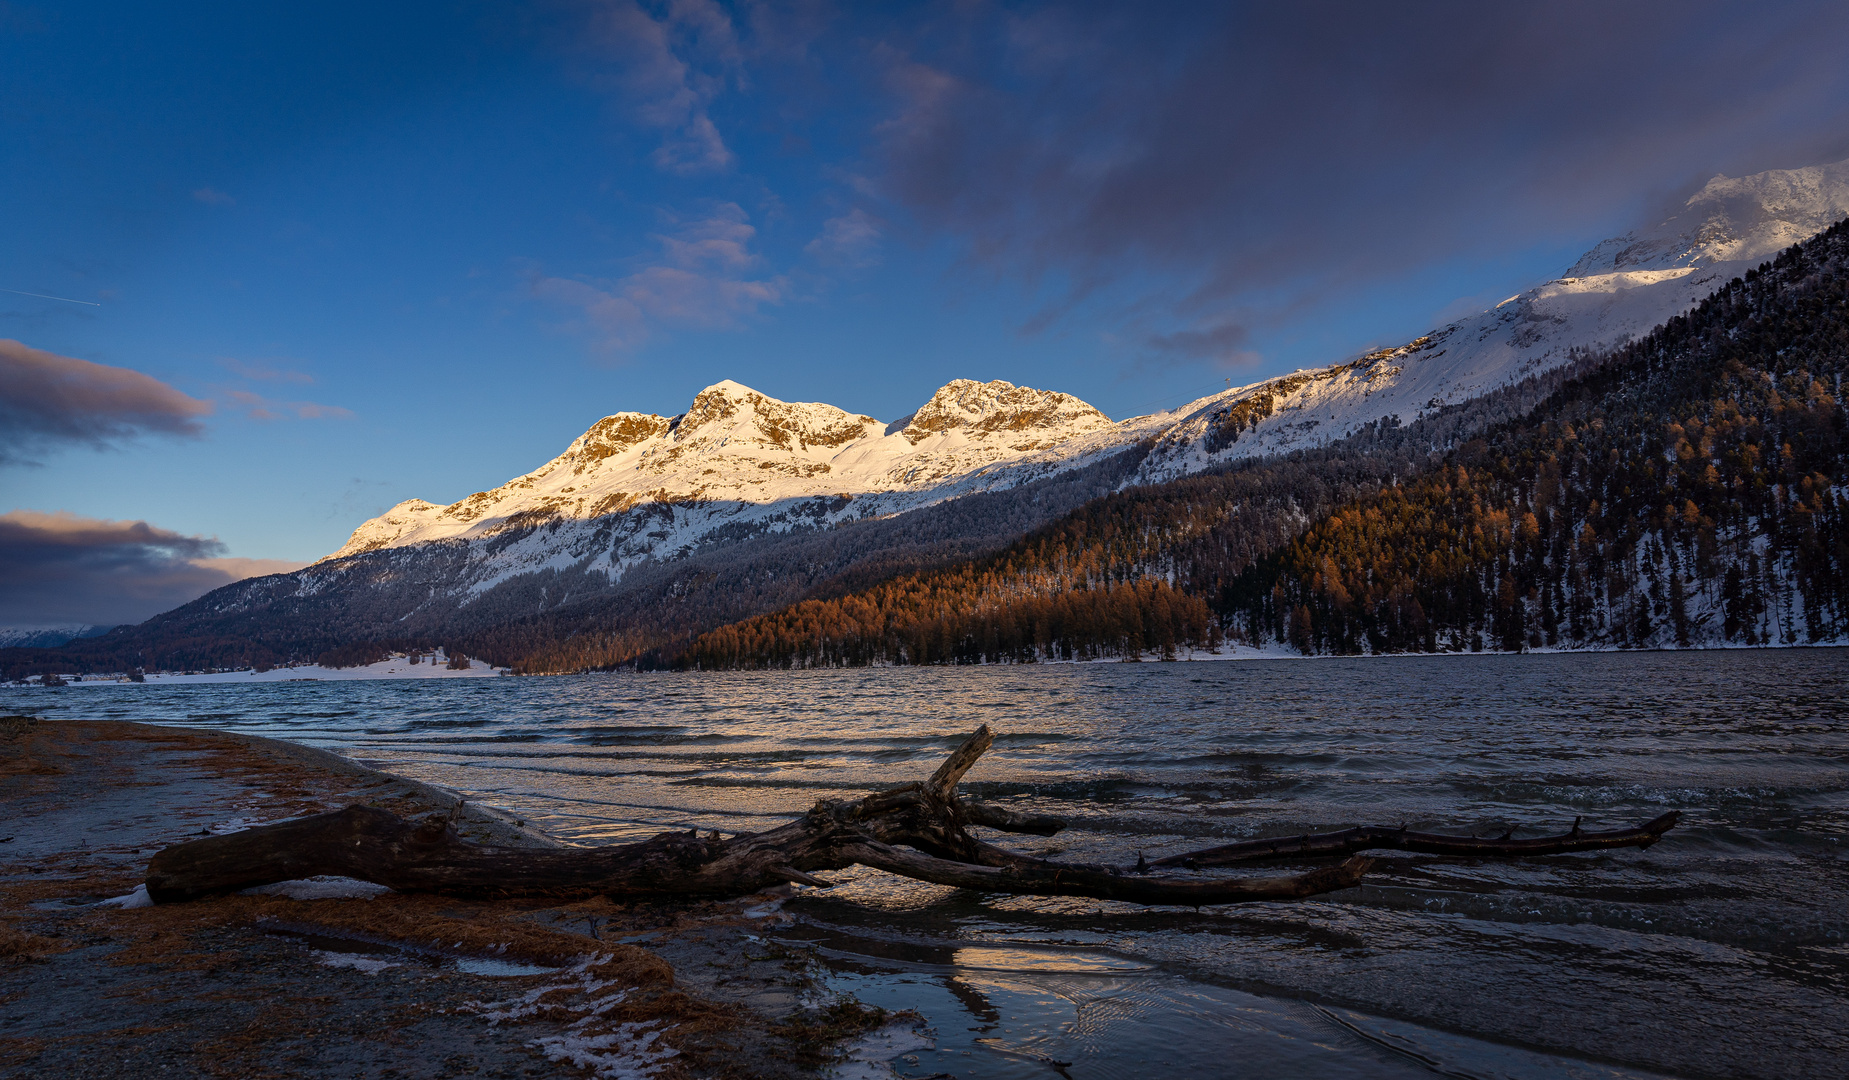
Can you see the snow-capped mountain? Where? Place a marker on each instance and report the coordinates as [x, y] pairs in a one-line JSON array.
[[45, 637], [1621, 289], [639, 487], [648, 529]]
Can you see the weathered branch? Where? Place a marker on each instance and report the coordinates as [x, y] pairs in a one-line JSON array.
[[997, 817], [917, 830], [943, 782], [1376, 837], [1052, 879]]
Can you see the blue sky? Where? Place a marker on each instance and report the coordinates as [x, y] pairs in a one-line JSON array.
[[412, 250]]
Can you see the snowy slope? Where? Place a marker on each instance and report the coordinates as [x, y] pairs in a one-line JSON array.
[[737, 463], [394, 667], [1621, 289], [45, 637], [638, 487]]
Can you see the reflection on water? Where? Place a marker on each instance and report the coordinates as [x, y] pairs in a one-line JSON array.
[[1721, 951]]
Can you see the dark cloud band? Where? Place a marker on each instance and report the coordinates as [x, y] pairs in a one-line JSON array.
[[63, 569], [47, 399], [1252, 157]]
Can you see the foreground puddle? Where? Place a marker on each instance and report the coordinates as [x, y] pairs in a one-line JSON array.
[[1012, 1013], [373, 957]]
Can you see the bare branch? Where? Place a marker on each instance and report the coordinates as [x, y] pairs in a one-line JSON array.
[[1375, 837], [1050, 879], [944, 780]]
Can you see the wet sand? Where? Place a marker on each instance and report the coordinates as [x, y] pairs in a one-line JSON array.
[[335, 979]]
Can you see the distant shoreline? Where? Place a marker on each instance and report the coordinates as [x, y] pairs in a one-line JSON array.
[[397, 669]]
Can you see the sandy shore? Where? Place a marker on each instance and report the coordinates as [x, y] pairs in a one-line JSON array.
[[338, 979]]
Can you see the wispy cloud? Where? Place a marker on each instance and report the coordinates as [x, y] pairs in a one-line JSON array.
[[61, 568], [258, 407], [1223, 343], [49, 399], [701, 282], [212, 197], [850, 241], [668, 69]]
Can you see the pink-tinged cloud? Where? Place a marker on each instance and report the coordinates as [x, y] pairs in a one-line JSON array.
[[258, 407], [64, 569], [47, 399], [669, 69], [697, 288], [238, 569], [851, 240]]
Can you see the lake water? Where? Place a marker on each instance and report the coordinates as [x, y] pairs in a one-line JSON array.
[[1719, 952]]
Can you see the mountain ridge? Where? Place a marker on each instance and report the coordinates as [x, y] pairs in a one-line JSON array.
[[647, 529], [740, 460], [1683, 491]]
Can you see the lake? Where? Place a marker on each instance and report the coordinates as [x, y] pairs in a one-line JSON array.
[[1719, 952]]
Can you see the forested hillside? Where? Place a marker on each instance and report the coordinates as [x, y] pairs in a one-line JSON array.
[[1139, 570], [1685, 490], [1689, 493]]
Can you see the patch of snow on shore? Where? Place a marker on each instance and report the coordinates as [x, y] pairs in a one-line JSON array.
[[138, 898], [371, 965], [320, 888], [870, 1057], [625, 1051], [397, 667]]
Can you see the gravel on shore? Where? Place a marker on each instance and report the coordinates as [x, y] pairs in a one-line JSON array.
[[335, 978]]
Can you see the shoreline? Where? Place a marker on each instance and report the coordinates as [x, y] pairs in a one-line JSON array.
[[1230, 654], [333, 978]]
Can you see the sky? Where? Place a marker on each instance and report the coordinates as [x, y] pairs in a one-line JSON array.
[[270, 270]]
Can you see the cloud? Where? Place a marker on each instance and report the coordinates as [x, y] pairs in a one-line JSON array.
[[1249, 156], [63, 569], [668, 70], [238, 569], [851, 240], [719, 241], [46, 399], [1221, 342], [698, 285], [212, 197], [258, 407]]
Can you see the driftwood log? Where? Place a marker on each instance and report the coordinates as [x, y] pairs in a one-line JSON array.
[[917, 830]]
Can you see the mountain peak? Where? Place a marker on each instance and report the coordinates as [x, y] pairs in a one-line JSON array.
[[730, 390], [731, 411], [996, 406], [1731, 219]]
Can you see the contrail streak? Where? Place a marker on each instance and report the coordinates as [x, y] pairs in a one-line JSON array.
[[42, 296]]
